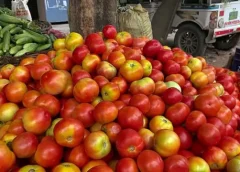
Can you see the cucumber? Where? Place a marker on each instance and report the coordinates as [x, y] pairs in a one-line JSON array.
[[31, 48], [7, 28], [20, 53], [22, 41], [16, 30], [1, 45], [3, 23], [11, 19], [53, 37], [49, 41], [15, 49], [11, 45], [39, 38], [18, 36], [6, 41], [27, 45], [43, 47], [1, 52]]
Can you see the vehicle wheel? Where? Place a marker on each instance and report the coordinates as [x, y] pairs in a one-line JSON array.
[[191, 39], [227, 42]]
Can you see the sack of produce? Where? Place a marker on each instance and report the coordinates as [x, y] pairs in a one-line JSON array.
[[21, 10], [135, 20]]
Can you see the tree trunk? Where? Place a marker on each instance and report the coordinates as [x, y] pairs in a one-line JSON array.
[[88, 16]]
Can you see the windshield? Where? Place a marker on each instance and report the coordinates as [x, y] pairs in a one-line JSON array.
[[221, 1]]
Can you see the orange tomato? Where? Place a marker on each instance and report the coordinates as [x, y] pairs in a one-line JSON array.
[[66, 166]]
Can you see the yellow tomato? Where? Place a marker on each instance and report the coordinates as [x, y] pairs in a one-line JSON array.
[[59, 44], [73, 40], [35, 168], [66, 167]]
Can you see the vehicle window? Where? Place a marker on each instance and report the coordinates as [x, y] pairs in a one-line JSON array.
[[191, 2], [221, 1]]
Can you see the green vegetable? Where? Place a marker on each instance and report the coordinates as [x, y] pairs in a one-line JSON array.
[[18, 36], [52, 36], [7, 28], [31, 48], [20, 53], [6, 41], [27, 45], [1, 52], [11, 19], [22, 41], [16, 30], [3, 23], [15, 49], [37, 37], [1, 45], [43, 47]]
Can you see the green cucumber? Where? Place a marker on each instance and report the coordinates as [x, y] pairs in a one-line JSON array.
[[16, 30], [11, 19], [6, 41], [27, 45], [20, 53], [31, 47], [3, 24], [18, 36], [7, 28], [43, 47], [39, 38], [53, 37], [1, 45], [22, 41], [1, 52], [15, 49]]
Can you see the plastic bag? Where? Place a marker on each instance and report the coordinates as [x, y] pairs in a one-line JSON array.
[[21, 10], [135, 20]]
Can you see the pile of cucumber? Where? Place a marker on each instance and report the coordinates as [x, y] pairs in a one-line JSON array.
[[16, 39]]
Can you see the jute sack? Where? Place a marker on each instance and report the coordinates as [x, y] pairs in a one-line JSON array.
[[135, 20]]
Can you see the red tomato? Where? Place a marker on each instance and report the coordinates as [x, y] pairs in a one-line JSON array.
[[79, 54], [30, 97], [176, 163], [185, 137], [101, 168], [38, 69], [14, 91], [68, 107], [224, 114], [49, 153], [7, 157], [230, 146], [125, 98], [105, 112], [97, 145], [77, 156], [84, 113], [150, 161], [119, 104], [178, 78], [208, 134], [229, 101], [129, 143], [126, 165], [130, 117], [171, 96], [186, 153], [194, 120], [217, 123], [69, 132], [91, 164], [16, 127], [177, 113], [152, 48], [112, 129], [140, 101], [48, 102], [157, 106], [20, 73], [25, 145], [109, 32], [215, 157], [95, 43], [208, 104]]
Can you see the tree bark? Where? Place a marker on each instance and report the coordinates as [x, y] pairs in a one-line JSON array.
[[88, 16]]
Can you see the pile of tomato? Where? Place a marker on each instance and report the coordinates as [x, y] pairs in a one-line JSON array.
[[111, 102]]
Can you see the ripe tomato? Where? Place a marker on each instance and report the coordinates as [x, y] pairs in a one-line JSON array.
[[198, 164], [130, 117], [147, 136], [178, 78], [208, 134], [215, 157], [194, 120], [30, 97], [16, 127], [224, 114], [38, 69], [234, 164], [176, 163], [217, 123], [157, 106], [177, 113], [48, 102], [25, 145], [186, 153], [185, 137], [126, 165], [160, 123], [166, 142], [69, 132], [49, 153], [112, 129], [140, 101], [68, 107], [105, 112], [129, 143], [14, 91], [229, 101], [101, 168], [207, 103], [97, 145], [230, 146], [150, 161], [7, 157], [91, 164], [66, 166], [35, 168]]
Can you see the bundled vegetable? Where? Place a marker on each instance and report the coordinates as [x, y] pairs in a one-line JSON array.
[[18, 38]]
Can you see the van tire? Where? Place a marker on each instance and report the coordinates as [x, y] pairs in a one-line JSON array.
[[192, 31], [223, 43]]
